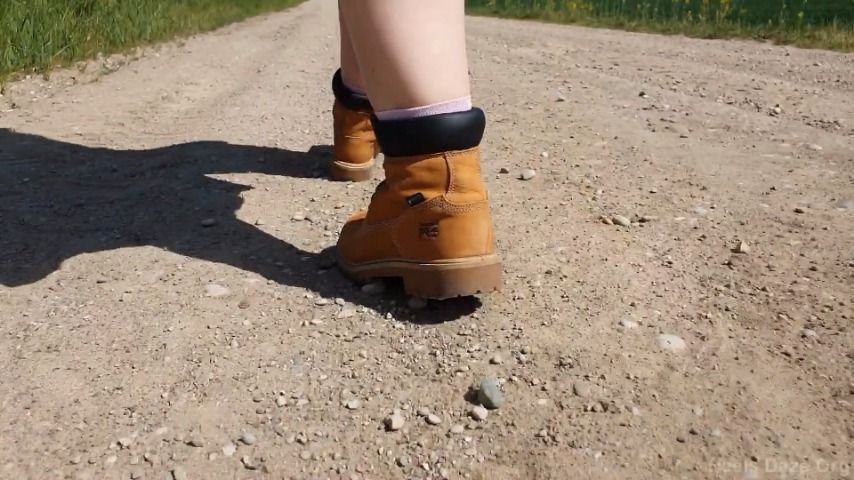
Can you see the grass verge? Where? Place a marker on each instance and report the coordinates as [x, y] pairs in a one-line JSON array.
[[833, 34], [37, 35]]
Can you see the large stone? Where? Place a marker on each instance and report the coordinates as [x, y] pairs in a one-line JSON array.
[[489, 394]]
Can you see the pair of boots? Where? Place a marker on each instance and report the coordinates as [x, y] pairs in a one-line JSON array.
[[428, 222]]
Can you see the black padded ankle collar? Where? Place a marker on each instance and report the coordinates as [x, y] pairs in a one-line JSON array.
[[348, 98], [428, 135]]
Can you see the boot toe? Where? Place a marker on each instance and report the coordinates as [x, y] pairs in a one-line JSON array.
[[348, 241]]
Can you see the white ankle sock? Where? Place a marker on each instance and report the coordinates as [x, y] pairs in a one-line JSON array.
[[462, 104]]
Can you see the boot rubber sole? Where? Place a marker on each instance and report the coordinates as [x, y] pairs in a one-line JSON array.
[[351, 172], [437, 280]]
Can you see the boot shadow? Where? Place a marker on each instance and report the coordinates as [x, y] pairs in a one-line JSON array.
[[59, 200]]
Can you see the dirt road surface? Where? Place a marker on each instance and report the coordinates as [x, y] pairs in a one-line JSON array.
[[168, 310]]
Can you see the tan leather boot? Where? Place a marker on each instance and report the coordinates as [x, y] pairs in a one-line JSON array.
[[355, 147], [429, 221]]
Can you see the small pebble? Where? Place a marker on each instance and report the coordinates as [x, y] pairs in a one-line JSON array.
[[458, 429], [742, 248], [504, 171], [800, 210], [527, 174], [196, 442], [628, 324], [394, 422], [479, 413], [216, 291], [354, 404], [434, 419], [489, 394], [298, 217], [305, 455], [621, 221], [496, 360], [208, 222], [581, 389], [248, 439], [125, 442], [281, 401], [404, 461], [809, 333], [229, 449], [248, 463], [670, 342], [423, 412]]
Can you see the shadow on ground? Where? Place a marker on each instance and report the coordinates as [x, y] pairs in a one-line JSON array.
[[59, 200]]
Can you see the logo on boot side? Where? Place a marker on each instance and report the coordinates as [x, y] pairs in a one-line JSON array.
[[429, 231]]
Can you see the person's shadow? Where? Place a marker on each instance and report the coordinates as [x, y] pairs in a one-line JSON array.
[[59, 200]]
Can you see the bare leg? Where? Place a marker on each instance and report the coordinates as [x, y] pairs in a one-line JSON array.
[[350, 71], [411, 52]]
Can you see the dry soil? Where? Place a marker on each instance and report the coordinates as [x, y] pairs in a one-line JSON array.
[[168, 310]]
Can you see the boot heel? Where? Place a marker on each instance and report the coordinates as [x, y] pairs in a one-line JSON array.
[[351, 172], [442, 281]]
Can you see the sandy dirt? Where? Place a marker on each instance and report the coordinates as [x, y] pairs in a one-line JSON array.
[[168, 310]]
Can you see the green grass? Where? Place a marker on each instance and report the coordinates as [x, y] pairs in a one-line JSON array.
[[36, 35], [825, 24]]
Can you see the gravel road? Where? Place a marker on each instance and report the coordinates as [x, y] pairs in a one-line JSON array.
[[675, 217]]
